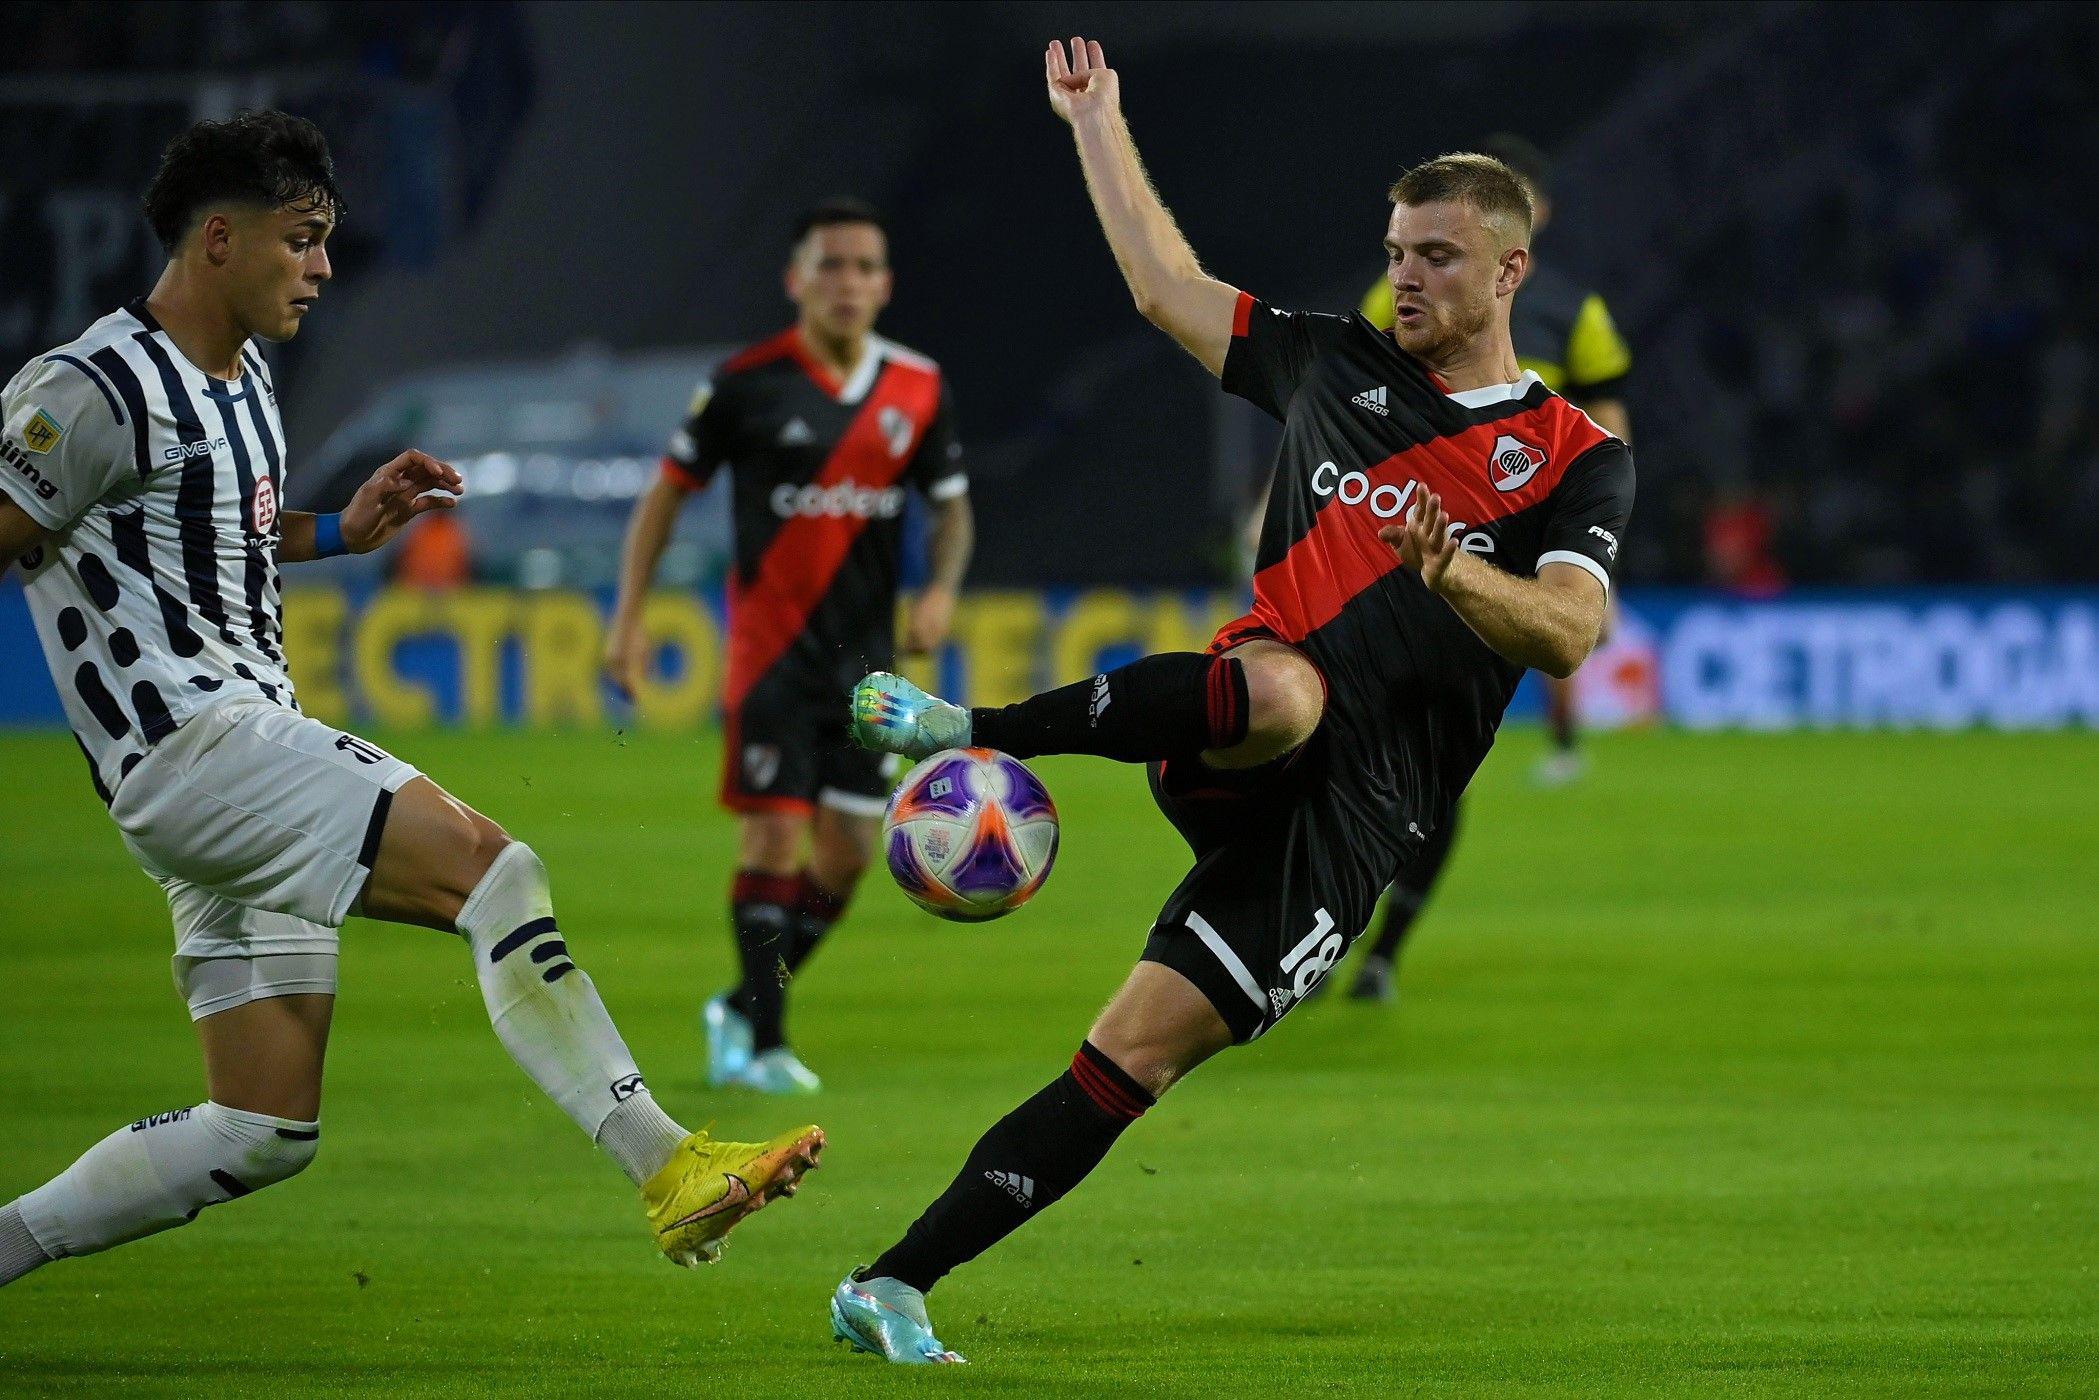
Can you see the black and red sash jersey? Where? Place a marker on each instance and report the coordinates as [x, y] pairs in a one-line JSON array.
[[1414, 696], [818, 471]]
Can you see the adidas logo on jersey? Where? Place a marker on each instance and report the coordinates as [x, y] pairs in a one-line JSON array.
[[1020, 1188], [1374, 400], [796, 434]]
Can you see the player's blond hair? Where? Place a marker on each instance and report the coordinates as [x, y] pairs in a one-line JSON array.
[[1496, 192]]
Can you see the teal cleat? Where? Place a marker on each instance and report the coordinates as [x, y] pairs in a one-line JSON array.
[[891, 715], [778, 1071], [728, 1041], [886, 1318]]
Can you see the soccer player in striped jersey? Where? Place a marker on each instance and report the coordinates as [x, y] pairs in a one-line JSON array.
[[822, 428], [142, 472], [1440, 521]]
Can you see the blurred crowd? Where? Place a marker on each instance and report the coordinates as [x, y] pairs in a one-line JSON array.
[[1912, 352], [1864, 350], [228, 37]]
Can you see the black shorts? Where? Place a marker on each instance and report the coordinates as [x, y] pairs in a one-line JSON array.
[[1285, 878], [787, 748]]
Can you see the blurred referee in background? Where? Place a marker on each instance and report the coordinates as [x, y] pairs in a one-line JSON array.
[[1564, 333]]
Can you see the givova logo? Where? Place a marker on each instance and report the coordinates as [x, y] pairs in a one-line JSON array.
[[158, 1119], [184, 451]]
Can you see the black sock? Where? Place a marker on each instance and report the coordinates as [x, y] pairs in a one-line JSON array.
[[815, 910], [1166, 706], [1400, 908], [1029, 1159], [1560, 717], [762, 911], [1411, 890]]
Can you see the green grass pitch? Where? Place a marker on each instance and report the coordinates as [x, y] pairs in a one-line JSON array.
[[1751, 1065]]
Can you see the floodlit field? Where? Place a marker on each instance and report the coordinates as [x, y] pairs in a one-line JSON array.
[[1751, 1065]]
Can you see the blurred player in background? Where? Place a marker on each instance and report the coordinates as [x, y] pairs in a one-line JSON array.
[[1564, 334], [140, 478], [1440, 522], [823, 428]]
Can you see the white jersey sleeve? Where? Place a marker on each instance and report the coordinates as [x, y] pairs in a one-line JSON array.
[[62, 448]]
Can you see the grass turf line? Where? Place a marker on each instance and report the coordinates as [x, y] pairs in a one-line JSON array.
[[1749, 1065]]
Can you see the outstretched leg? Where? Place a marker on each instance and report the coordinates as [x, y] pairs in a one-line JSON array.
[[442, 865], [1252, 704], [260, 1126]]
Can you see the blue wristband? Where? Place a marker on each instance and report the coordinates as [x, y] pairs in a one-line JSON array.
[[328, 536]]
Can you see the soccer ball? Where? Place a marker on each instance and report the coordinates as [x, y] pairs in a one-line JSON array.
[[971, 834]]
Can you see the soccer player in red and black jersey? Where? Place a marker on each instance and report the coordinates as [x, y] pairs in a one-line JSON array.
[[1440, 521], [823, 428]]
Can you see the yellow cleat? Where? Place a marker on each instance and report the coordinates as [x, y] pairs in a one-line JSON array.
[[707, 1187]]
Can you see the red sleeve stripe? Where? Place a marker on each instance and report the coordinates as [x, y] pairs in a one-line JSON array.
[[678, 474], [1241, 314], [1221, 701]]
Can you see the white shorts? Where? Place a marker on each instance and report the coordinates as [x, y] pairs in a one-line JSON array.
[[261, 824]]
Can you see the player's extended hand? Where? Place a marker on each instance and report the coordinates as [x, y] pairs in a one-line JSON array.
[[626, 654], [396, 495], [932, 613], [1425, 542], [1083, 87]]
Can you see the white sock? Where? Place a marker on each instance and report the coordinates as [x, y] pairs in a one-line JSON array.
[[19, 1251], [159, 1172], [548, 1016], [640, 1136]]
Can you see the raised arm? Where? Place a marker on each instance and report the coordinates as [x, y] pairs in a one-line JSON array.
[[1168, 284]]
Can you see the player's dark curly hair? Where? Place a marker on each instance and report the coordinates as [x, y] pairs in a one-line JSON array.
[[271, 159], [842, 209]]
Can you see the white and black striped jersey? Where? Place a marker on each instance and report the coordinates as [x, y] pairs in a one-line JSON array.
[[156, 593]]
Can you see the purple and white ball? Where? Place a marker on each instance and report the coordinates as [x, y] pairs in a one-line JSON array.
[[970, 834]]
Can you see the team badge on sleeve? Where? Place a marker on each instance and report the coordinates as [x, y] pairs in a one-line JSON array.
[[41, 434], [1513, 462]]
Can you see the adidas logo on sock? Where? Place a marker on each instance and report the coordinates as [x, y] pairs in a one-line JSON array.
[[1020, 1188], [1374, 400]]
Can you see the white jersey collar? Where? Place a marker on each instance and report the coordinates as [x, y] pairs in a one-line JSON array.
[[1488, 394]]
